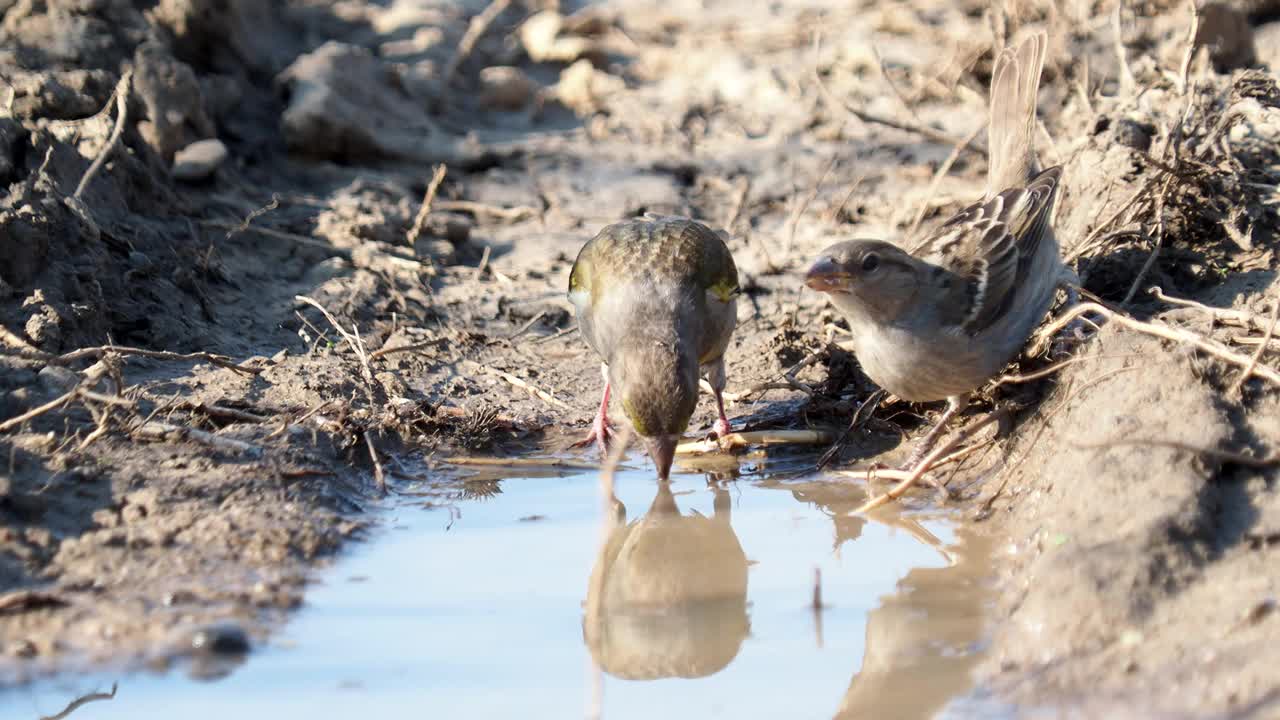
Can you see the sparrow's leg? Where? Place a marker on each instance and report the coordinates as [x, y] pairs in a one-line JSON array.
[[717, 379], [955, 404], [601, 431]]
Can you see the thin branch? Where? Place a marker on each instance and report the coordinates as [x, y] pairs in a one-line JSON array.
[[122, 116], [432, 188], [98, 352], [540, 394], [156, 430], [1262, 347], [82, 700], [36, 412], [383, 352], [928, 462], [510, 214], [352, 339], [475, 30], [1165, 332], [378, 476]]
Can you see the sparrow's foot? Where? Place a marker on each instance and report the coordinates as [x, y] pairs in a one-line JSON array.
[[721, 428], [601, 435]]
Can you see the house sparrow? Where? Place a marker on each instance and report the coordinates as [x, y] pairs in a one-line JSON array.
[[656, 298], [940, 321]]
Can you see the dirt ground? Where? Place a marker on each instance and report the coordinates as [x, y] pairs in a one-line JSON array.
[[146, 497]]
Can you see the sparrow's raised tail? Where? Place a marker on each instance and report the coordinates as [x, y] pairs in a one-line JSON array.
[[1015, 82]]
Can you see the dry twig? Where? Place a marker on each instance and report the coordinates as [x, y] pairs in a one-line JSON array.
[[378, 476], [475, 30], [352, 338], [1262, 347], [156, 430], [765, 438], [542, 395], [122, 116], [1165, 332], [97, 352], [928, 463], [510, 214], [432, 188], [82, 700]]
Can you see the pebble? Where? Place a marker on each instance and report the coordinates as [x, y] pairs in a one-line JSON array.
[[505, 88], [199, 160], [57, 379], [223, 638]]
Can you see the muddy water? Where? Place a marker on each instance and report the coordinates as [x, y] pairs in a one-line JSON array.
[[536, 602]]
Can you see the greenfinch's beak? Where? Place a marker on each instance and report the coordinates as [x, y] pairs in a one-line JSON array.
[[827, 276], [662, 449]]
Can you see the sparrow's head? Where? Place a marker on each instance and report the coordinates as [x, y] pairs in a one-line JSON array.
[[867, 279], [657, 381]]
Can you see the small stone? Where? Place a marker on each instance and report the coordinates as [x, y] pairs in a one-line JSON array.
[[583, 88], [44, 328], [199, 160], [1133, 134], [139, 261], [223, 638], [505, 88], [57, 379]]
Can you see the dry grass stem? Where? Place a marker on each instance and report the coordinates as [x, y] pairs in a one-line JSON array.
[[352, 338], [475, 30], [157, 430], [82, 700], [97, 352], [515, 213], [1262, 347], [764, 438], [379, 477], [520, 462], [542, 395], [1228, 316], [36, 412], [432, 188], [383, 352]]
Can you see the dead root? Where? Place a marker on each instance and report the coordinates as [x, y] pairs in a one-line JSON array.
[[929, 462], [1166, 332]]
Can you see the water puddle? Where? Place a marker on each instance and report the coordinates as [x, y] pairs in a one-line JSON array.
[[698, 604]]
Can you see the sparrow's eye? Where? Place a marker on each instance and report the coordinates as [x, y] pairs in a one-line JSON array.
[[870, 262]]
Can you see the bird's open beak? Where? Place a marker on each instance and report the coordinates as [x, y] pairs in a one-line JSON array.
[[663, 451], [826, 276]]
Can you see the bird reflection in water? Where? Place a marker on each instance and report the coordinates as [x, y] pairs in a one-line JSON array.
[[668, 593], [924, 640]]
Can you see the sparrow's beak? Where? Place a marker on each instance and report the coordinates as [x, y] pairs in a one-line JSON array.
[[827, 276], [662, 449]]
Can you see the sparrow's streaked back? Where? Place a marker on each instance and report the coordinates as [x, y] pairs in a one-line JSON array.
[[656, 298]]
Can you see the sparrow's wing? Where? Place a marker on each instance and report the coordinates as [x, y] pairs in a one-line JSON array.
[[988, 247]]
